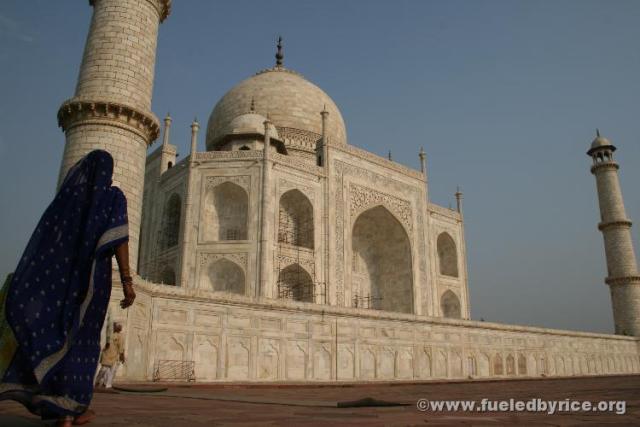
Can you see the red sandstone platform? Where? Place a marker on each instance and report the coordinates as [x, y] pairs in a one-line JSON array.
[[307, 405]]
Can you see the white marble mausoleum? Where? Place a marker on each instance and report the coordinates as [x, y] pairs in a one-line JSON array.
[[278, 251]]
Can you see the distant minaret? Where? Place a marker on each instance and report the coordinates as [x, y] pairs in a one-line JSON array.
[[622, 272]]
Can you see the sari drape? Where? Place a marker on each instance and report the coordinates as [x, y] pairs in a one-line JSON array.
[[54, 306]]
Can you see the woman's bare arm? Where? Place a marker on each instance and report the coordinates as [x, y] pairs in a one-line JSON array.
[[122, 258]]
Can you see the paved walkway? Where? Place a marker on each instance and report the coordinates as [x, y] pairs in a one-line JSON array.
[[307, 405]]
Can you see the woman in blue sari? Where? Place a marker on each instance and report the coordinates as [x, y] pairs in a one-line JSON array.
[[53, 308]]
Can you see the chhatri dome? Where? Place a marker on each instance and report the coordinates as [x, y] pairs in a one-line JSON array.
[[291, 102], [600, 142], [249, 123]]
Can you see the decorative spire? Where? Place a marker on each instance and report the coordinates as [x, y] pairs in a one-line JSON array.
[[389, 155], [167, 126], [598, 132], [422, 155], [459, 199], [267, 138], [195, 126], [279, 54]]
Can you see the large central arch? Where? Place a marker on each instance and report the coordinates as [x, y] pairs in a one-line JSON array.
[[381, 261]]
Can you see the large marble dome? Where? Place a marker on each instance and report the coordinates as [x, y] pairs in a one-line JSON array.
[[292, 103]]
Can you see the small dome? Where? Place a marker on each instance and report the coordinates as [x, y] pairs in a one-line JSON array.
[[600, 142], [249, 123]]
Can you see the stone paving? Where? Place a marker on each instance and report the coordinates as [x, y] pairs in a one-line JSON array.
[[316, 404]]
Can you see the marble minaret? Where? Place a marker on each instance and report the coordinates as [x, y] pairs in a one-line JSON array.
[[111, 108], [622, 272]]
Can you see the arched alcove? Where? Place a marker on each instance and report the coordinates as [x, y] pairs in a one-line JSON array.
[[498, 368], [472, 368], [225, 212], [171, 221], [522, 365], [226, 276], [382, 260], [447, 255], [511, 365], [295, 283], [450, 305], [295, 220], [484, 365], [542, 366]]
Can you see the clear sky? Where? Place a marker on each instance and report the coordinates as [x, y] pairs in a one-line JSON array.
[[504, 96]]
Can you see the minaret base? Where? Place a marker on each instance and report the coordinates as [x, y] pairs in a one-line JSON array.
[[625, 299]]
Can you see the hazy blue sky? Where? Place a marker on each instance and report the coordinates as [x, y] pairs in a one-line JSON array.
[[504, 96]]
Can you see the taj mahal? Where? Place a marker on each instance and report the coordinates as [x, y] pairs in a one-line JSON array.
[[280, 252]]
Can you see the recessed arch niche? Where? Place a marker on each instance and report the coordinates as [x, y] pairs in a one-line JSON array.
[[225, 212], [381, 257]]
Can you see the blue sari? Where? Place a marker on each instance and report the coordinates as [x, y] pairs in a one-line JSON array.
[[53, 308]]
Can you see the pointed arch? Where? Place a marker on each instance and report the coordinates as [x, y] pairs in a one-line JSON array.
[[447, 255], [226, 212], [441, 361], [560, 366], [171, 221], [472, 367], [522, 365], [450, 305], [424, 364], [532, 365], [294, 282], [226, 276], [498, 365], [483, 365], [511, 365], [569, 365], [543, 367], [381, 246], [206, 358], [295, 220]]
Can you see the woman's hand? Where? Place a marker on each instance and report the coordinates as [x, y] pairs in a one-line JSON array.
[[129, 294]]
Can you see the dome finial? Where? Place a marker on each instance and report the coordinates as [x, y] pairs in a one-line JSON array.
[[598, 132], [279, 54]]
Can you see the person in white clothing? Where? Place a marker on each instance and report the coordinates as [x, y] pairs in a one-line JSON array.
[[112, 355]]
